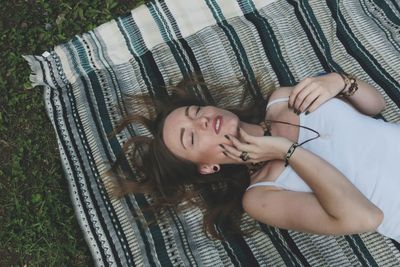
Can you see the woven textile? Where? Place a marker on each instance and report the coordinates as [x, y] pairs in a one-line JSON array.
[[85, 81]]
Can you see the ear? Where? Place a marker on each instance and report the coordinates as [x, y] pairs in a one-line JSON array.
[[208, 168]]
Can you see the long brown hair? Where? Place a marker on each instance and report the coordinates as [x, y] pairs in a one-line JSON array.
[[175, 182]]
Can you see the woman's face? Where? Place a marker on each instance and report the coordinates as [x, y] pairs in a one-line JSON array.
[[195, 133]]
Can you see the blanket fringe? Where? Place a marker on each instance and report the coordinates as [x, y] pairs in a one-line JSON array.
[[36, 76]]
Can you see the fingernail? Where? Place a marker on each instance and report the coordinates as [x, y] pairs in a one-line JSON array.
[[222, 146], [227, 137], [307, 112]]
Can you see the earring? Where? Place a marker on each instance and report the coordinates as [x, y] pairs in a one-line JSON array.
[[215, 168]]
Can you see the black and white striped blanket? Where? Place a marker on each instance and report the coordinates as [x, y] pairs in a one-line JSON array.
[[85, 81]]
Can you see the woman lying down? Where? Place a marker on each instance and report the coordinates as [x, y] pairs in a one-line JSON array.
[[311, 158]]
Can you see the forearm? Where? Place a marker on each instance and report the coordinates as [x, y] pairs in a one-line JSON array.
[[366, 99], [336, 194]]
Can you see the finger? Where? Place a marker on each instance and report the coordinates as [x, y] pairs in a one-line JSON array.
[[317, 102], [230, 155], [307, 109], [237, 156], [322, 98], [302, 95], [232, 150], [241, 146], [246, 137], [234, 154], [297, 89], [309, 100]]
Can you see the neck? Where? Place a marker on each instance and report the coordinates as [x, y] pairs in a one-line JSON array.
[[252, 129]]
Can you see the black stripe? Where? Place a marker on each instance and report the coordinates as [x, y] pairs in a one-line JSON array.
[[359, 250], [116, 148], [271, 48], [237, 48], [396, 5], [387, 30], [238, 250], [388, 11], [293, 247], [230, 253], [197, 69], [182, 236], [100, 104], [189, 52], [324, 57], [106, 68], [142, 230], [396, 244], [58, 129], [283, 251], [155, 231], [180, 59], [147, 65], [126, 166], [246, 255], [276, 232], [363, 56]]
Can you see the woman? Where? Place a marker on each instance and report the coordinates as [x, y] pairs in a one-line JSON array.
[[317, 170]]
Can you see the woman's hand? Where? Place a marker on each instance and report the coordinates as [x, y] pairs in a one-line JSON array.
[[258, 148], [312, 92]]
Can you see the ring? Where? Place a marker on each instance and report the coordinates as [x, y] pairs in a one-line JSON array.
[[244, 156]]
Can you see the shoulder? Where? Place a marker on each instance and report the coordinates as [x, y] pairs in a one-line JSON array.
[[256, 194], [252, 197], [280, 92], [260, 201]]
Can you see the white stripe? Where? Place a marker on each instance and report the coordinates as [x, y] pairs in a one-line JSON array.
[[200, 15], [262, 3], [265, 184], [278, 100], [116, 48], [148, 26]]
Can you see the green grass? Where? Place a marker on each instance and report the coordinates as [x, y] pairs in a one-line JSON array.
[[37, 222]]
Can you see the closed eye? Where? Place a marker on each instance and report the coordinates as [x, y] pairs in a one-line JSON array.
[[197, 112]]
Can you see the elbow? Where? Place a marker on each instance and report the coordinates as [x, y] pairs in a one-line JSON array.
[[382, 104], [379, 218], [378, 106], [374, 220], [367, 221], [377, 103]]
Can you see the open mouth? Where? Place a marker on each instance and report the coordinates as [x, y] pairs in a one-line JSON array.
[[217, 123]]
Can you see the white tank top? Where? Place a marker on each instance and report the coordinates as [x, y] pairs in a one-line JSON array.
[[364, 149]]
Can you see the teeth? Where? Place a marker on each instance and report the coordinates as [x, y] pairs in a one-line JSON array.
[[217, 125]]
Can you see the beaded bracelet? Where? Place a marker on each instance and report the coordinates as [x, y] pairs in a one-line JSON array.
[[289, 153], [348, 80]]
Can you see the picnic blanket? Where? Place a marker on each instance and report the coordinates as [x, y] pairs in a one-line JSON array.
[[86, 81]]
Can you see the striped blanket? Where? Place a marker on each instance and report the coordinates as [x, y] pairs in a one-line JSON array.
[[87, 79]]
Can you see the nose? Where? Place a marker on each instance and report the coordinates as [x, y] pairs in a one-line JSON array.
[[202, 122]]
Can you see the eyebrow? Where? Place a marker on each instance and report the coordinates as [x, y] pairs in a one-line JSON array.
[[183, 129]]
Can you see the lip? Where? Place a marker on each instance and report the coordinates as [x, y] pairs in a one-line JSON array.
[[215, 123]]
